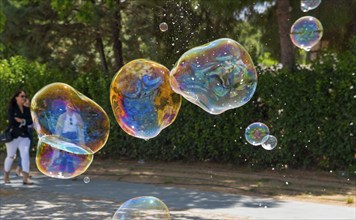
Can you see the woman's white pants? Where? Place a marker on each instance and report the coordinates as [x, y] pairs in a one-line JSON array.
[[23, 144]]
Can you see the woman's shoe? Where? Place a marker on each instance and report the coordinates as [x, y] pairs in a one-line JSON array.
[[7, 177], [28, 183], [26, 179]]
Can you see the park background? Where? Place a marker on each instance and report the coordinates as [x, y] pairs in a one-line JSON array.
[[306, 98]]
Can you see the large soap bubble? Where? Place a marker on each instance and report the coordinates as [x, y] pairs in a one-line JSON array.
[[270, 143], [257, 133], [68, 124], [217, 76], [142, 99], [307, 5], [145, 207], [59, 110], [306, 32]]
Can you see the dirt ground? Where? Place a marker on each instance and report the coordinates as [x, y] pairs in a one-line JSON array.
[[314, 186]]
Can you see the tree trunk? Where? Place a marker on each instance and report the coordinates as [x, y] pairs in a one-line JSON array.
[[284, 25], [115, 31], [100, 46]]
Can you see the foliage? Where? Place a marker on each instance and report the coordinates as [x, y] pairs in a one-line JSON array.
[[64, 33], [310, 111]]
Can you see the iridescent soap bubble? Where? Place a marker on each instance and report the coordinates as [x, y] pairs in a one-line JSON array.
[[257, 133], [307, 5], [61, 164], [59, 110], [86, 179], [70, 128], [270, 143], [163, 26], [142, 99], [306, 32], [145, 207], [217, 76]]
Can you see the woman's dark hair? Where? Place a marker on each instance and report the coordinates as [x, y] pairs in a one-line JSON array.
[[13, 99]]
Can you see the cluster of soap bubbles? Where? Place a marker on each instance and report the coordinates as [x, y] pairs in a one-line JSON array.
[[184, 28], [258, 134], [70, 129], [145, 207], [145, 96], [307, 31]]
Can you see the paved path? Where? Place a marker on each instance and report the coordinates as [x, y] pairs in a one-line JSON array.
[[99, 199]]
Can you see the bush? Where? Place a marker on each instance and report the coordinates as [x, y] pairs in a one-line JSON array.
[[311, 111]]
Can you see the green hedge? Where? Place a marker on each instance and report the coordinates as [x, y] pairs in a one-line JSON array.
[[310, 110]]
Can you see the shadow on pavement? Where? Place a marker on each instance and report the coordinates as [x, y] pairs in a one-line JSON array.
[[53, 198]]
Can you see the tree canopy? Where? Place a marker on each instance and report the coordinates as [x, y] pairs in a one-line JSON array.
[[84, 35]]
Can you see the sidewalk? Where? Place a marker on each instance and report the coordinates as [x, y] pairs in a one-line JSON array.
[[99, 199]]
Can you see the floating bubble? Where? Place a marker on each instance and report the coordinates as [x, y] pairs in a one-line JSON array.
[[256, 133], [270, 143], [307, 5], [146, 207], [58, 110], [163, 26], [142, 99], [86, 179], [70, 128], [217, 76], [306, 32], [61, 164]]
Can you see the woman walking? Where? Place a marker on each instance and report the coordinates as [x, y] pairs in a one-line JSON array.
[[19, 117]]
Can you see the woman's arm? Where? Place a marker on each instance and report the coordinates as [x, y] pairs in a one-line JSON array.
[[11, 117], [27, 116]]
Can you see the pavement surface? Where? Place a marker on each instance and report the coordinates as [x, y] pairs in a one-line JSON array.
[[53, 198]]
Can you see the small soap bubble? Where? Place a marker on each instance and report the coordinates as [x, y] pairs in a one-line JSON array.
[[86, 179], [257, 133], [163, 26], [307, 5], [270, 143], [306, 32], [145, 207]]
